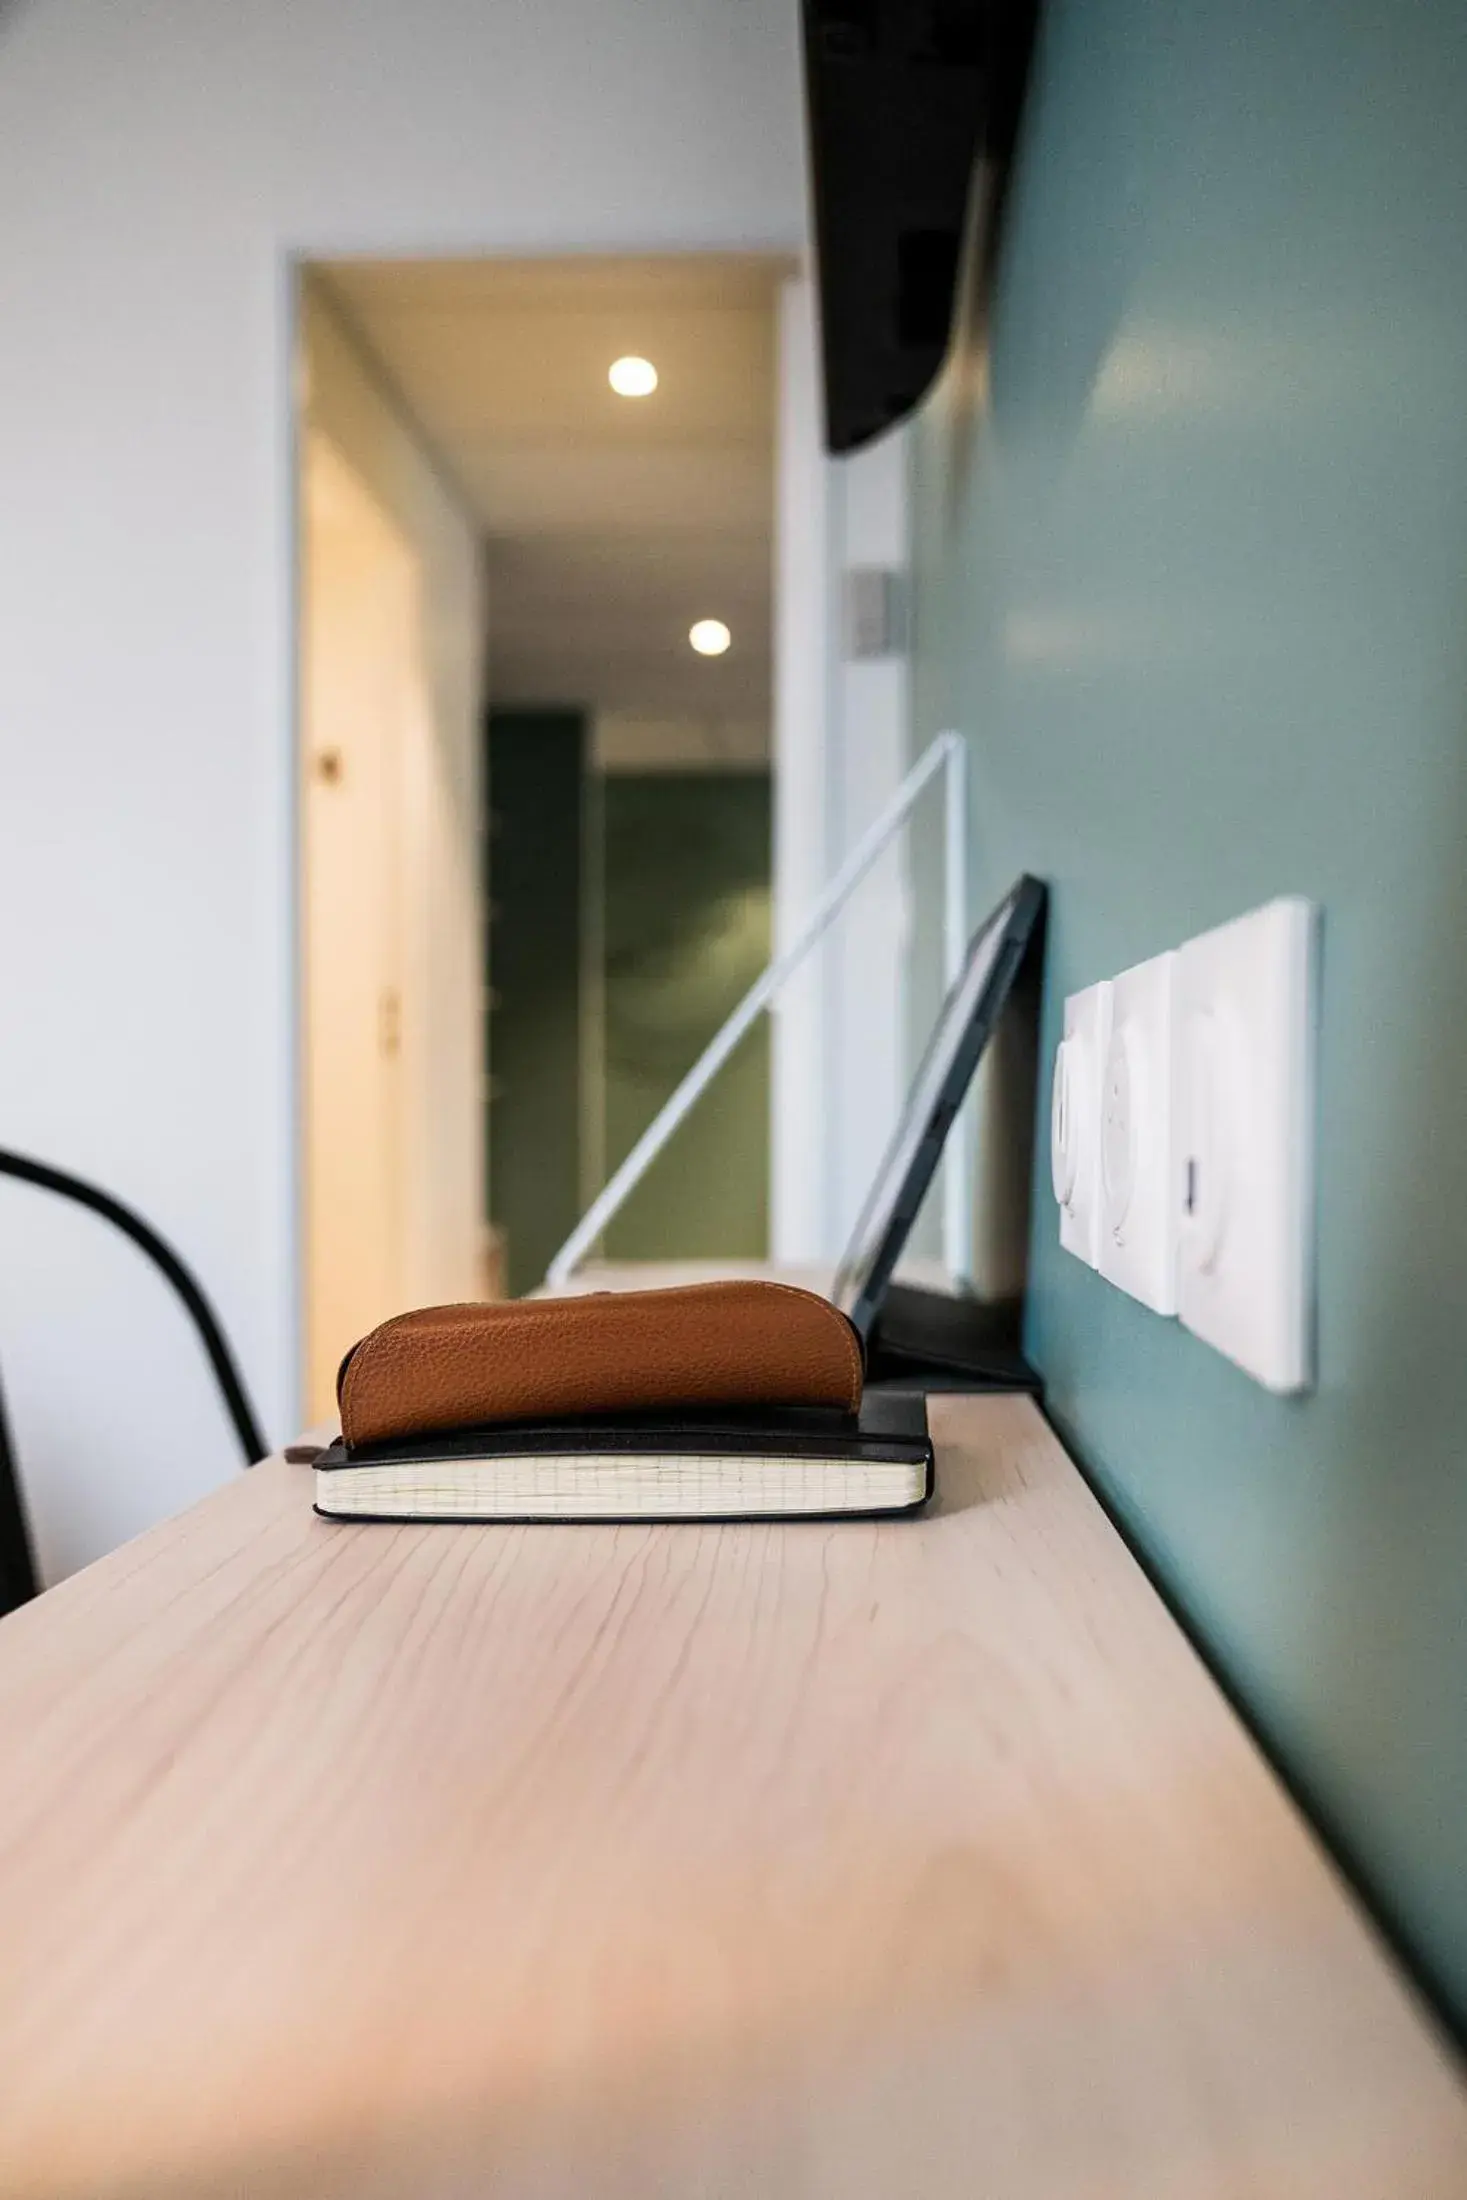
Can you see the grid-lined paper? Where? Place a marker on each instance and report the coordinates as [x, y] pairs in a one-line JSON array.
[[606, 1485]]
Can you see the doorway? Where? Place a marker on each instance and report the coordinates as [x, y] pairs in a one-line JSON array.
[[597, 436]]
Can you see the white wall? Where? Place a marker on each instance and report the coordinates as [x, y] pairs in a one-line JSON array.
[[869, 743], [799, 1221], [842, 738], [159, 167]]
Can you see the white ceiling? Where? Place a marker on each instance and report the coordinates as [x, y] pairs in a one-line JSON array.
[[611, 523]]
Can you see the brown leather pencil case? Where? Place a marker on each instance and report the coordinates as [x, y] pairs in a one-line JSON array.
[[698, 1346]]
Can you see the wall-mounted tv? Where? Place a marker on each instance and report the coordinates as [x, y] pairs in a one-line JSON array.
[[912, 105]]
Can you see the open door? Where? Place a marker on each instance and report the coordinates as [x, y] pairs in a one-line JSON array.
[[363, 721]]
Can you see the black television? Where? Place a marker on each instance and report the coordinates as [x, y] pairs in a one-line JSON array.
[[913, 110]]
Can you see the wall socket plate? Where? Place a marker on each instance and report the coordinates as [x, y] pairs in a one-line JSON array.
[[1138, 1166], [1074, 1120], [1245, 1019]]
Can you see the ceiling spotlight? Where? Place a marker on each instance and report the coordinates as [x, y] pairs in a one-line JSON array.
[[632, 377], [710, 637]]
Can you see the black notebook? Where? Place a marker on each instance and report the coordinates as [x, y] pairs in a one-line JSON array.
[[777, 1465]]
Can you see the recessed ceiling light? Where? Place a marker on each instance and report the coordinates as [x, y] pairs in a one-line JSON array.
[[710, 637], [632, 377]]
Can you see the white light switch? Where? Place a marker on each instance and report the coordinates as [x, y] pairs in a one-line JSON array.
[[1245, 1106], [1074, 1121], [1138, 1170]]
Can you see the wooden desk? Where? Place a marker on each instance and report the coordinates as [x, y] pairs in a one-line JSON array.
[[916, 1860]]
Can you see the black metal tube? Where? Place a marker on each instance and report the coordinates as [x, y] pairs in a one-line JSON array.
[[20, 1579], [162, 1255]]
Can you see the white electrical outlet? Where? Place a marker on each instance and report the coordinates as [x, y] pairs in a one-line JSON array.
[[1138, 1170], [1245, 1105], [1074, 1121]]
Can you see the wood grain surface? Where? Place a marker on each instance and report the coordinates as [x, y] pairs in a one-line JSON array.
[[916, 1859]]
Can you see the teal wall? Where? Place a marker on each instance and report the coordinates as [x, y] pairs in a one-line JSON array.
[[1192, 571]]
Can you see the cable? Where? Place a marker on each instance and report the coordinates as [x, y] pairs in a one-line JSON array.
[[215, 1343]]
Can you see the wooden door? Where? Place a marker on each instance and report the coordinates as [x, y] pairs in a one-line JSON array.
[[361, 716]]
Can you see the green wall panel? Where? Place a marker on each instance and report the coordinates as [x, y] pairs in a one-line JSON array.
[[1192, 573], [536, 799], [687, 928]]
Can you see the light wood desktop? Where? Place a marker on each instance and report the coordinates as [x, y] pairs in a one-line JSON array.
[[915, 1859]]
